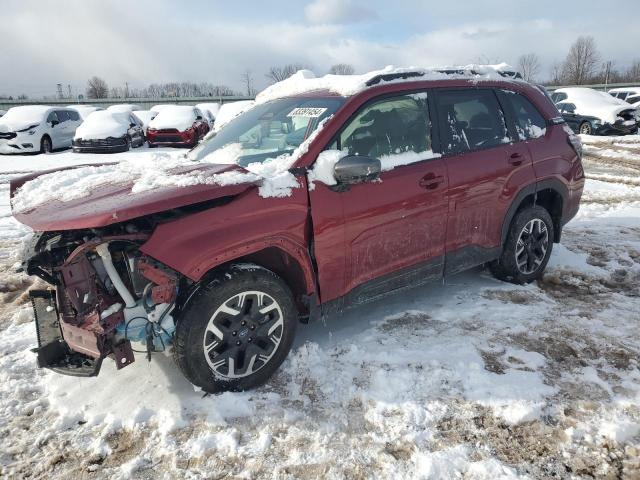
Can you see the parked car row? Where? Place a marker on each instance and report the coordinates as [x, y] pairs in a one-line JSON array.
[[86, 128], [593, 112]]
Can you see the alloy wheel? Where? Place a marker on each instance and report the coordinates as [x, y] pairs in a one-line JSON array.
[[585, 129], [243, 334], [532, 246]]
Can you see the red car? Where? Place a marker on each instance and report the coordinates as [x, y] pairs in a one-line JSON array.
[[430, 176], [177, 126]]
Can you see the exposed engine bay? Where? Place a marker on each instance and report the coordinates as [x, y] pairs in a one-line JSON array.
[[106, 299]]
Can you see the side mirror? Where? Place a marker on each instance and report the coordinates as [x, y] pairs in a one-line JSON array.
[[198, 117], [131, 125], [354, 169], [54, 123]]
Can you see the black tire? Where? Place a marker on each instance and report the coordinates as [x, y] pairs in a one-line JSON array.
[[508, 267], [234, 339], [127, 145], [585, 128], [45, 144]]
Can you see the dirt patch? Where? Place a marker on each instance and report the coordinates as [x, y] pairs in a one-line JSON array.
[[518, 297]]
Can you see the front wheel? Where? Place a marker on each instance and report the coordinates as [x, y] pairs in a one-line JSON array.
[[585, 128], [528, 247], [45, 145], [236, 330]]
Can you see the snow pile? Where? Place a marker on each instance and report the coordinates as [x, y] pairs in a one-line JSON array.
[[305, 81], [180, 117], [18, 118], [103, 124], [229, 111]]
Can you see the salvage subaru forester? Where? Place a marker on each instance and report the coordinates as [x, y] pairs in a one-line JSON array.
[[382, 182]]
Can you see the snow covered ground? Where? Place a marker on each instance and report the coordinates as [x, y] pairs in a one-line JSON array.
[[471, 378]]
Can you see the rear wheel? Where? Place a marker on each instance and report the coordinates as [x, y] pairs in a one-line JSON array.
[[585, 128], [45, 145], [236, 330], [528, 247]]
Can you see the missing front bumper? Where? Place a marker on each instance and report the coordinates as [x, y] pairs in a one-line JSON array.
[[52, 351]]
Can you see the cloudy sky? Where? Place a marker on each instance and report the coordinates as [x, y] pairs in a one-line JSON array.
[[143, 41]]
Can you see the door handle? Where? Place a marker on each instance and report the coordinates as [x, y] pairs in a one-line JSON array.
[[431, 181], [515, 159]]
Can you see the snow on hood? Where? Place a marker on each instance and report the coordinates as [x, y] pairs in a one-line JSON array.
[[228, 111], [305, 81], [18, 118], [180, 117], [593, 103], [103, 124]]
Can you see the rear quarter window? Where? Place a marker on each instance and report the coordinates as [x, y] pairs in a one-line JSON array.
[[529, 122]]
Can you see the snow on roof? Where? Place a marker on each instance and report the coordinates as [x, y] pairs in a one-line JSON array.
[[161, 106], [174, 116], [305, 81], [84, 110], [634, 90], [103, 124], [145, 116], [124, 107]]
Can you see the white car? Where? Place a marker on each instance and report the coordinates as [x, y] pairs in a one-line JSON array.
[[124, 108], [592, 112], [145, 117], [624, 93], [84, 110], [228, 111], [37, 128]]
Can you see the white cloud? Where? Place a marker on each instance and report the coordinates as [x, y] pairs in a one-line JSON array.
[[120, 42], [337, 12]]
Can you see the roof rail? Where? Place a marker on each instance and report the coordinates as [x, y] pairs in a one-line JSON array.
[[388, 77]]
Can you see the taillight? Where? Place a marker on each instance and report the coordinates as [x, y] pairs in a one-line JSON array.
[[576, 143]]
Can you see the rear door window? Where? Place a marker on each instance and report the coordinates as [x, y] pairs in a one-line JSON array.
[[389, 128], [558, 97], [73, 115], [528, 121], [63, 115], [470, 119]]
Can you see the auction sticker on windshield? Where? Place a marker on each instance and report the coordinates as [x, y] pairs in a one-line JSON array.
[[306, 112]]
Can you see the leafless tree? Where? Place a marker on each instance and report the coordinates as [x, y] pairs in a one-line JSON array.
[[277, 74], [97, 88], [529, 65], [632, 74], [342, 69], [247, 81], [581, 62]]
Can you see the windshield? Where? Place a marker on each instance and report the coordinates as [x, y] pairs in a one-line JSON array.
[[268, 130]]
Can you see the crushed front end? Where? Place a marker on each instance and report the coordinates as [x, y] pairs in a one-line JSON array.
[[104, 294]]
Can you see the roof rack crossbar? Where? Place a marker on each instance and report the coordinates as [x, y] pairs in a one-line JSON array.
[[388, 77]]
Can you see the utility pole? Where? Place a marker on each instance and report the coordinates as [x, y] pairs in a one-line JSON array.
[[69, 91], [59, 87], [126, 89]]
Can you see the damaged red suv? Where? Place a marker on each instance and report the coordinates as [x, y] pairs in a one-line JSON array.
[[321, 197]]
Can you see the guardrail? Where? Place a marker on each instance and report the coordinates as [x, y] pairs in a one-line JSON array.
[[106, 102]]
